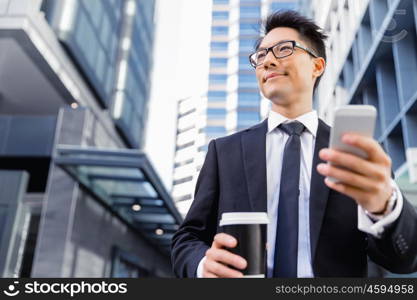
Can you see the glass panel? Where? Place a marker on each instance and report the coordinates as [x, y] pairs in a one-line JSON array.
[[216, 112], [217, 95], [283, 5], [247, 45], [219, 46], [220, 15], [247, 118], [220, 1], [248, 99], [119, 171], [250, 12], [244, 62], [247, 81], [133, 189], [249, 28], [220, 30], [218, 62], [215, 130], [218, 79]]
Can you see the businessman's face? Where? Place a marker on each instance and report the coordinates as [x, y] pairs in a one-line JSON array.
[[287, 79]]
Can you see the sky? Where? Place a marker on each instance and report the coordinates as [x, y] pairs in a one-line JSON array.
[[180, 70]]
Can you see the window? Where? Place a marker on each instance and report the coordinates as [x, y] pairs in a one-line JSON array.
[[220, 15], [218, 78], [214, 130], [248, 99], [244, 63], [247, 118], [249, 28], [220, 30], [250, 12], [217, 96], [216, 112], [218, 62], [219, 46], [220, 1], [246, 45], [247, 81], [283, 6]]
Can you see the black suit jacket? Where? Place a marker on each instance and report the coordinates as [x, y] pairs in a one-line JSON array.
[[233, 179]]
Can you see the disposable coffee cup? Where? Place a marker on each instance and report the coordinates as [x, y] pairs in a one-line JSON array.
[[249, 229]]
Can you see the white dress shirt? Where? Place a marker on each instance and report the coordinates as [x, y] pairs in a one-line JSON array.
[[275, 143]]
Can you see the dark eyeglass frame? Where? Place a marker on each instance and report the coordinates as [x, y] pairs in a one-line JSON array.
[[295, 44]]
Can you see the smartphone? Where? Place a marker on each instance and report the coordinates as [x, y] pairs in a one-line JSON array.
[[351, 118]]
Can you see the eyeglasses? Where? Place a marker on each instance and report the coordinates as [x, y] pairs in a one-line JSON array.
[[280, 50]]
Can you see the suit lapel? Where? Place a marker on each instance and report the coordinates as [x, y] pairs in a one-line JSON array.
[[254, 162], [318, 189]]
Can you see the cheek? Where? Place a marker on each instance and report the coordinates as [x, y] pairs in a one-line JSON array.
[[301, 74]]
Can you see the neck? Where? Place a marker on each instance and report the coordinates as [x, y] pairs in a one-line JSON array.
[[293, 108]]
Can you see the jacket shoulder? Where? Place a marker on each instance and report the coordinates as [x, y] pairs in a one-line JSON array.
[[236, 137]]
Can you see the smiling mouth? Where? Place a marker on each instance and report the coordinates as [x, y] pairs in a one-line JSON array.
[[275, 76]]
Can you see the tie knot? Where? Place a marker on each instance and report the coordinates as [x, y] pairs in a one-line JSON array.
[[292, 128]]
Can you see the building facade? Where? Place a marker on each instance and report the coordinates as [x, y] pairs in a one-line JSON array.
[[233, 101], [372, 59], [79, 197]]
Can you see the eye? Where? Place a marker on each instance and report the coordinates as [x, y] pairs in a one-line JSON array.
[[285, 48], [260, 55]]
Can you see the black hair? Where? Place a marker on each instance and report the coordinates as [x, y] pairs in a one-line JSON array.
[[309, 31]]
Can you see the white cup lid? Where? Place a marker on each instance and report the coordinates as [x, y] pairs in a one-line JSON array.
[[239, 218]]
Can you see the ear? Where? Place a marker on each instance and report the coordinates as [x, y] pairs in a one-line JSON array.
[[319, 66]]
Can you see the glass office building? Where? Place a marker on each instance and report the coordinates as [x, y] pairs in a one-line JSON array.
[[372, 59], [79, 197], [111, 43]]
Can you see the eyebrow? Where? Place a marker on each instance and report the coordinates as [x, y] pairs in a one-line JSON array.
[[281, 41]]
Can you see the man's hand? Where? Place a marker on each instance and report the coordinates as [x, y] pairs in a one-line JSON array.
[[217, 258], [367, 181]]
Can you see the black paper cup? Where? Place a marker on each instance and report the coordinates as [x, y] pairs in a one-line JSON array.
[[249, 228]]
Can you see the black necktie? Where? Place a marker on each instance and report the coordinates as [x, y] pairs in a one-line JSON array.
[[286, 242]]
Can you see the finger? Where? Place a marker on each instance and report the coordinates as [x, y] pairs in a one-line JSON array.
[[226, 257], [348, 177], [224, 240], [221, 270], [369, 145], [209, 275], [352, 192], [352, 162]]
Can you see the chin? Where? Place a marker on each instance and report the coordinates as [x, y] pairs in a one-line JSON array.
[[277, 95]]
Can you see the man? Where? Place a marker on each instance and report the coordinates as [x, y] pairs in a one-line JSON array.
[[317, 228]]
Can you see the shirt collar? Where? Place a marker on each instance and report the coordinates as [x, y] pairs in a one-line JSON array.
[[309, 120]]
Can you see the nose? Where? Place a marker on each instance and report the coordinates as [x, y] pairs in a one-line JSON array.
[[270, 60]]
